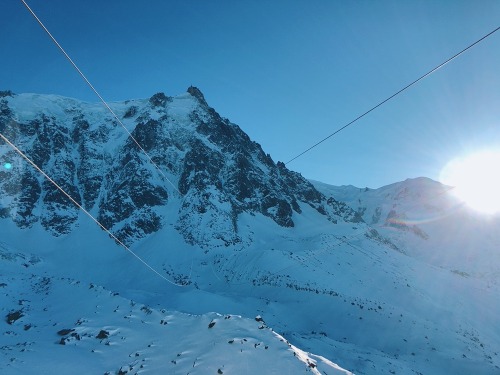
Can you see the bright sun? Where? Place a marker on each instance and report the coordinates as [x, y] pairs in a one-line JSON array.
[[476, 179]]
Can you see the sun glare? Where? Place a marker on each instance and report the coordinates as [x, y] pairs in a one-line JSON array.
[[476, 179]]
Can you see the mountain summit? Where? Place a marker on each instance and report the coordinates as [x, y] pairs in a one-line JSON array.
[[218, 170], [196, 92]]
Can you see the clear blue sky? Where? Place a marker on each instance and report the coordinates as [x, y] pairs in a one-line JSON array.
[[288, 72]]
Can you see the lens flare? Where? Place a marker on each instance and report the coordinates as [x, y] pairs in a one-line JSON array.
[[476, 179], [7, 166]]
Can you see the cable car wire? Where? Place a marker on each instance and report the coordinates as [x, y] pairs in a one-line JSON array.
[[98, 95], [395, 94], [34, 165]]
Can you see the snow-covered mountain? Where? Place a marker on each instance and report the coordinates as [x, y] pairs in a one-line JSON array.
[[238, 234], [216, 167], [426, 221]]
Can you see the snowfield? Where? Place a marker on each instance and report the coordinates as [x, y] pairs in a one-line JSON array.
[[57, 325]]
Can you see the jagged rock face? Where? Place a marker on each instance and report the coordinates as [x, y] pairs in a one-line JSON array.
[[218, 171], [49, 147]]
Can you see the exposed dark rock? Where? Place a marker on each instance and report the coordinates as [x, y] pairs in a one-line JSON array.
[[147, 134], [5, 114], [6, 93], [159, 100], [13, 316], [64, 332], [27, 189], [195, 91], [278, 209], [102, 335], [131, 112]]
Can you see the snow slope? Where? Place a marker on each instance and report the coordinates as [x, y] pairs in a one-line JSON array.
[[58, 325], [429, 223], [365, 306]]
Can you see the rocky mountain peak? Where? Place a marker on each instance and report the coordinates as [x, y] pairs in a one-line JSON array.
[[196, 92], [6, 93], [220, 172]]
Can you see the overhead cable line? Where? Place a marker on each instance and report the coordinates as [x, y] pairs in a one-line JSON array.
[[98, 95], [395, 94], [25, 157]]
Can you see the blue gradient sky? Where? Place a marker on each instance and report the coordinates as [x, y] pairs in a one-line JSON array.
[[288, 72]]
